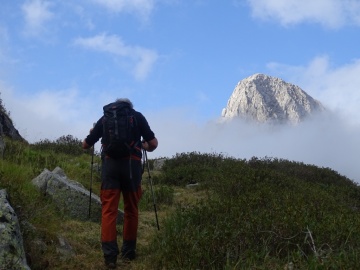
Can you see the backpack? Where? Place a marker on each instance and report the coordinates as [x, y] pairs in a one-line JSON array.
[[119, 129]]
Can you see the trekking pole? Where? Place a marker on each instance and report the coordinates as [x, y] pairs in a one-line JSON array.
[[151, 187], [91, 174], [91, 177]]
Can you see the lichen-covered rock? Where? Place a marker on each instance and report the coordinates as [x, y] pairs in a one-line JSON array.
[[64, 249], [12, 254], [72, 198]]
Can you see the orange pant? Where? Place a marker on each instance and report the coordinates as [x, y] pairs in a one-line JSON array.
[[110, 203]]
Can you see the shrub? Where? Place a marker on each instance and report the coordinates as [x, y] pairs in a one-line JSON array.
[[162, 195], [66, 144], [190, 168]]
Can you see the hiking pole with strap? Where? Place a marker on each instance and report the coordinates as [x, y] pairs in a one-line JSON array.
[[151, 187], [91, 177]]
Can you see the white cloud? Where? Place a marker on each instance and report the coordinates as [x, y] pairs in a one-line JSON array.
[[142, 59], [37, 13], [330, 13], [49, 114], [336, 87], [141, 7]]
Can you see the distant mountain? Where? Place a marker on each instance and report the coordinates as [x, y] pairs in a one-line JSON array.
[[268, 99]]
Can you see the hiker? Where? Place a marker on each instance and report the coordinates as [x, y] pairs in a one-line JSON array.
[[121, 174]]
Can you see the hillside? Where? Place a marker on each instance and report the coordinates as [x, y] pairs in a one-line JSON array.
[[237, 214]]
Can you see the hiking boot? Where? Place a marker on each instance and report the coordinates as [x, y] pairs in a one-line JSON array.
[[110, 262], [128, 250], [128, 255], [110, 265]]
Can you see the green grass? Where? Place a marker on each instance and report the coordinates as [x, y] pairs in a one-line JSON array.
[[244, 214], [261, 214]]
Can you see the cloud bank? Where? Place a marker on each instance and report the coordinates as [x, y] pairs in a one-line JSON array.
[[325, 140]]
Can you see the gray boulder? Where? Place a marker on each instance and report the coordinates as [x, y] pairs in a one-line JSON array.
[[12, 254], [70, 197]]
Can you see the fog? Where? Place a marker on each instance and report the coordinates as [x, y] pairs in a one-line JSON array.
[[323, 140]]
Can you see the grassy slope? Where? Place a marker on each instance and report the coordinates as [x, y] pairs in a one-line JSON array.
[[256, 214]]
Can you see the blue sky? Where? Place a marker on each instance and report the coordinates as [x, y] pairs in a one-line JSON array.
[[179, 61]]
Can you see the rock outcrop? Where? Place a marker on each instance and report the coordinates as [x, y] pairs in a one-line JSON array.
[[7, 127], [70, 197], [12, 254], [268, 99]]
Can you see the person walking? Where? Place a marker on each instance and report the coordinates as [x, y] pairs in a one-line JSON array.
[[121, 176]]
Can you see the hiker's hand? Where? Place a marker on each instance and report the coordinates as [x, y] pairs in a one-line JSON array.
[[85, 145], [145, 145], [150, 145], [91, 129]]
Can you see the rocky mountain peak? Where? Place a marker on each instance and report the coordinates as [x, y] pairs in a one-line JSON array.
[[264, 98]]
